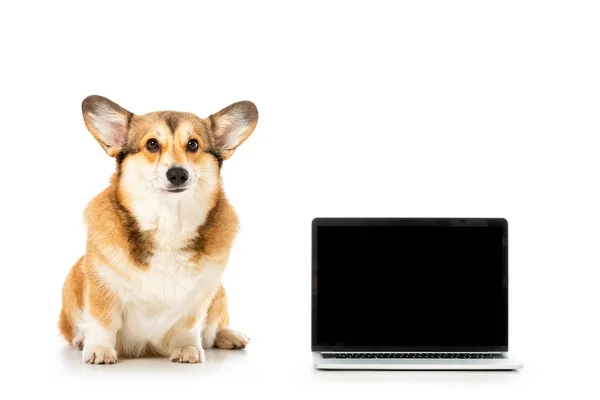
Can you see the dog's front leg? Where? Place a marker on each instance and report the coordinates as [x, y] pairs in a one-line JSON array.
[[102, 321], [185, 338], [184, 342]]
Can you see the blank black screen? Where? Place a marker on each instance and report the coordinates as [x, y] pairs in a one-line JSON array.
[[407, 286]]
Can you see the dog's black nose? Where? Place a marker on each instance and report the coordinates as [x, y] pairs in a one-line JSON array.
[[177, 176]]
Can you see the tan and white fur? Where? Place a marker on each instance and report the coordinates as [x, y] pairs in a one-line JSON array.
[[158, 237]]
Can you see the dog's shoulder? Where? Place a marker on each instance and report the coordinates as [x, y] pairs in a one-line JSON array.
[[110, 225], [216, 235], [100, 210]]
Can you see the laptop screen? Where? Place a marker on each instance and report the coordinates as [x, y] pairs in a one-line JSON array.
[[410, 285]]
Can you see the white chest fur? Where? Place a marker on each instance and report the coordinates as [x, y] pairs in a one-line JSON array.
[[154, 299]]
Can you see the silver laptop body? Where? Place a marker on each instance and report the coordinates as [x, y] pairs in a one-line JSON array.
[[410, 294]]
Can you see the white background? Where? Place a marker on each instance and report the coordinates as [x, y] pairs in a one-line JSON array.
[[399, 109]]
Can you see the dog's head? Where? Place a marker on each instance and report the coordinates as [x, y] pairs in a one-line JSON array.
[[168, 153]]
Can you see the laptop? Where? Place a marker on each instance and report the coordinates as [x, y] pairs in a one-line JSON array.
[[410, 294]]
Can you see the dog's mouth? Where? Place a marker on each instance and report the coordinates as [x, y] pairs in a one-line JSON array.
[[176, 190]]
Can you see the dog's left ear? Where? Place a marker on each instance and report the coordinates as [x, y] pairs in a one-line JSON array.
[[232, 125]]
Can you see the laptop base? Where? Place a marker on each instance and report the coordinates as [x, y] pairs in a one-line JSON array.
[[408, 364]]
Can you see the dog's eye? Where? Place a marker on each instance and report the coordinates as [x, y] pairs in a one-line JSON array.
[[192, 145], [152, 145]]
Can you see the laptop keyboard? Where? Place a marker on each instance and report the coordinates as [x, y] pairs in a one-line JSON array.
[[472, 356]]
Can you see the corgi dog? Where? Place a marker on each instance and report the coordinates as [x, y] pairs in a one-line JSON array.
[[158, 237]]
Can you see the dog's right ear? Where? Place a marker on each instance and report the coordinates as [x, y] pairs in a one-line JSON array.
[[107, 121]]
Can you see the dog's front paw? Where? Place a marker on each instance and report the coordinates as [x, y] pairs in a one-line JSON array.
[[100, 355], [229, 339], [188, 354]]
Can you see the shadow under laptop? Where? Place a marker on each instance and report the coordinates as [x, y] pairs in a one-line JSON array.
[[448, 377]]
